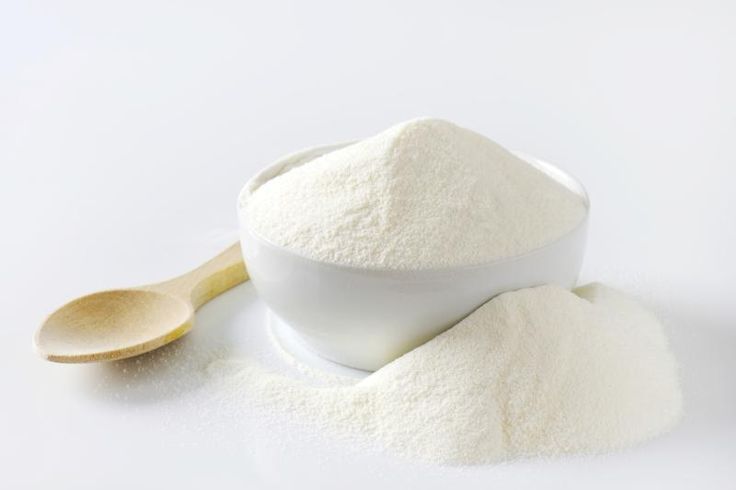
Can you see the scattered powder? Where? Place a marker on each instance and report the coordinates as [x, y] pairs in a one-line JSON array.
[[535, 372], [422, 194]]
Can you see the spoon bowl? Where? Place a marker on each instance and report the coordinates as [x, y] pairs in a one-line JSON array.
[[111, 325]]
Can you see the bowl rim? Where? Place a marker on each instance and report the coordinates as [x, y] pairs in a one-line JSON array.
[[301, 157]]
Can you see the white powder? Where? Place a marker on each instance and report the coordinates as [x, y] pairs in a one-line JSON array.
[[540, 371], [422, 194]]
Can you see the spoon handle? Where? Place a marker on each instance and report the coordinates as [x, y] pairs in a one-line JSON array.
[[211, 279]]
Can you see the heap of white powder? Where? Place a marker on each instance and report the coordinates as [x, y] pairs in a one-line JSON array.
[[540, 371], [422, 194]]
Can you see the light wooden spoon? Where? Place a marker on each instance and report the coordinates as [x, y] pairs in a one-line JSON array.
[[123, 323]]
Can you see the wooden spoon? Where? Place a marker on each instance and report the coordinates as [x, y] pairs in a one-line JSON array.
[[123, 323]]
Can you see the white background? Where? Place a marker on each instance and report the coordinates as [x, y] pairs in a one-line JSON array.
[[128, 128]]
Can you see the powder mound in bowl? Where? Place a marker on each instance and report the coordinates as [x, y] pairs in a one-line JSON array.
[[422, 194], [535, 372]]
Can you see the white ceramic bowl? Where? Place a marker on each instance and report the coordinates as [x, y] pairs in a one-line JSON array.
[[365, 318]]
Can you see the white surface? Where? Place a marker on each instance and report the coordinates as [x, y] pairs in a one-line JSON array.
[[127, 130], [366, 318]]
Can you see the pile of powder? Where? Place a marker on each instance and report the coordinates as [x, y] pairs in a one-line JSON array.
[[540, 371], [422, 194]]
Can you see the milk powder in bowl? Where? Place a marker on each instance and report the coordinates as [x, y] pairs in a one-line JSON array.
[[371, 248]]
